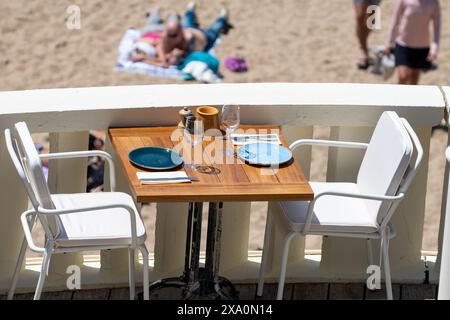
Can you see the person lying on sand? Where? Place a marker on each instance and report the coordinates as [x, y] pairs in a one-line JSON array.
[[169, 44], [161, 45], [199, 39]]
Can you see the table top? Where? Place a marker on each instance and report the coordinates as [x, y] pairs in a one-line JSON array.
[[237, 181]]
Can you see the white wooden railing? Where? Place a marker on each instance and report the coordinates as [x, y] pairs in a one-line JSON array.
[[444, 279], [350, 109]]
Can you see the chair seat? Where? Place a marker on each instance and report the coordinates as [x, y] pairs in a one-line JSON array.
[[331, 214], [108, 227]]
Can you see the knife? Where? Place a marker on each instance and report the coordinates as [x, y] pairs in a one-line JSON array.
[[264, 137], [256, 137], [171, 179]]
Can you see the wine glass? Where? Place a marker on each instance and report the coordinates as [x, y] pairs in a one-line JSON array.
[[193, 134], [231, 119]]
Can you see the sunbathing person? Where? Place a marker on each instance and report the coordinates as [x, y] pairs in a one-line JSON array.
[[199, 39], [172, 59], [177, 39], [161, 46]]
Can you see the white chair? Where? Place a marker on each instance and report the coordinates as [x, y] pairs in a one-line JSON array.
[[360, 210], [73, 222]]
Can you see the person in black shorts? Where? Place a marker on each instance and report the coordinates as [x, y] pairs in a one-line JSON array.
[[409, 38]]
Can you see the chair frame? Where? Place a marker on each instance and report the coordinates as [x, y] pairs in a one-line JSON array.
[[28, 219], [385, 231]]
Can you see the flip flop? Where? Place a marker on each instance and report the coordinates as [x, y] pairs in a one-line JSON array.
[[242, 65], [232, 64], [364, 64], [236, 64]]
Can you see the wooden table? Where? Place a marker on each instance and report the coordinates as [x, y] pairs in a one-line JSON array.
[[236, 181]]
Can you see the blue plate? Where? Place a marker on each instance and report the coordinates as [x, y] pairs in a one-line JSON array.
[[155, 158], [264, 154]]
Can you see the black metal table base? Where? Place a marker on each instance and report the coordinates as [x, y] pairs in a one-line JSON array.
[[199, 283], [204, 289]]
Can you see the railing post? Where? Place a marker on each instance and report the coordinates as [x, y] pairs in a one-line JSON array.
[[67, 176], [297, 247], [13, 202], [444, 206], [293, 133], [343, 257], [170, 238], [114, 263], [348, 257], [444, 278], [235, 234], [406, 247]]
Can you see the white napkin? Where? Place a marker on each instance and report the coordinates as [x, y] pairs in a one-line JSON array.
[[163, 177], [241, 139]]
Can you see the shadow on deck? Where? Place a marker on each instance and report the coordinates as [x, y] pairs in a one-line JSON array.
[[299, 291]]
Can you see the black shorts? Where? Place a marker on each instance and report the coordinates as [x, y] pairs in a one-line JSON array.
[[412, 57]]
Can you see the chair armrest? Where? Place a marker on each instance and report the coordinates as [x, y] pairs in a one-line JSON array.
[[328, 143], [84, 154], [27, 219], [360, 196], [309, 215], [130, 210]]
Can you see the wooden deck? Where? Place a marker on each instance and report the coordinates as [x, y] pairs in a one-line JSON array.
[[300, 291]]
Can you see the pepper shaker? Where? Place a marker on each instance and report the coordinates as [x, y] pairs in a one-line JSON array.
[[183, 114]]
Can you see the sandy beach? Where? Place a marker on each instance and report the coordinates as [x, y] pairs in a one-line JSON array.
[[282, 41]]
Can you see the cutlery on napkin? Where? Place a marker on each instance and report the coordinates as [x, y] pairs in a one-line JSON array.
[[164, 177], [241, 139]]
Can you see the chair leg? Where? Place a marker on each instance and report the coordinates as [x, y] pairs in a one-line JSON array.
[[370, 252], [144, 252], [15, 277], [42, 275], [131, 276], [284, 260], [265, 253], [387, 269]]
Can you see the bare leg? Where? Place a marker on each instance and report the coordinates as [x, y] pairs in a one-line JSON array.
[[415, 76], [404, 75], [154, 22], [362, 32]]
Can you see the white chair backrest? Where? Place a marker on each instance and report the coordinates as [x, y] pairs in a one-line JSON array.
[[29, 167], [385, 163]]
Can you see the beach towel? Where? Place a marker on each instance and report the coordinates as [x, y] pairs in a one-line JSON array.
[[201, 66], [208, 59], [124, 64]]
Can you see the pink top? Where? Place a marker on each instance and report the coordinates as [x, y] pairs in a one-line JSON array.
[[410, 26], [152, 37]]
